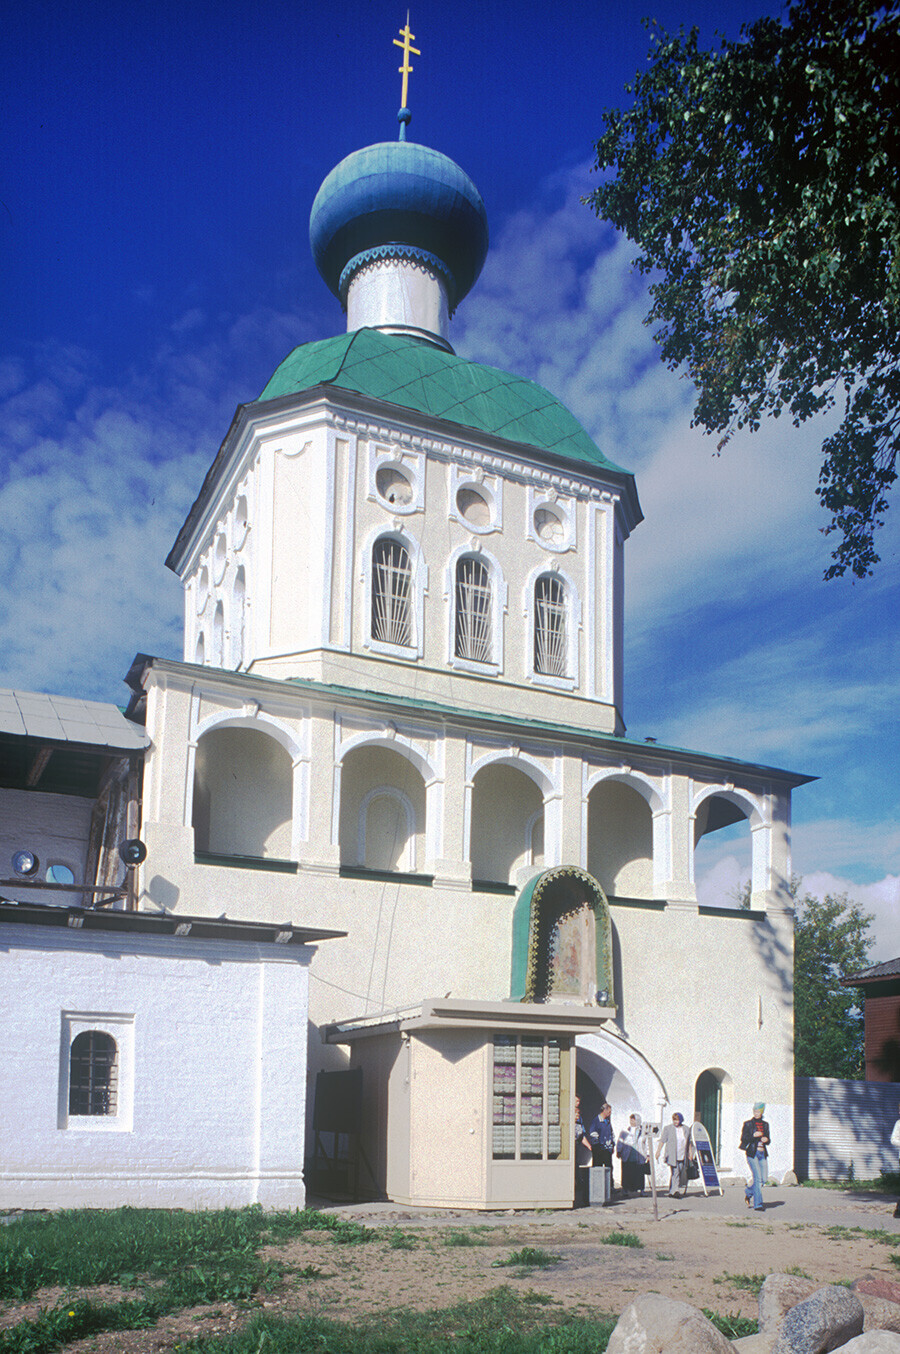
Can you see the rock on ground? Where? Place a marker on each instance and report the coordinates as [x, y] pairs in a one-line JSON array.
[[653, 1324], [873, 1342], [880, 1314], [779, 1293], [824, 1321]]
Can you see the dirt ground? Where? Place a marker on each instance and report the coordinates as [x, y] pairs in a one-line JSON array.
[[417, 1263]]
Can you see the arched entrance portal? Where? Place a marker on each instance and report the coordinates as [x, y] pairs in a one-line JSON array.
[[708, 1107]]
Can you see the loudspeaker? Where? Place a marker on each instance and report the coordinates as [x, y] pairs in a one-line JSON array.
[[132, 852]]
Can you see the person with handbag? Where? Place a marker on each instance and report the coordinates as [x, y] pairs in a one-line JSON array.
[[755, 1139], [675, 1146], [628, 1150]]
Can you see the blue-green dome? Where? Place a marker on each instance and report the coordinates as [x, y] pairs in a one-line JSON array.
[[398, 198]]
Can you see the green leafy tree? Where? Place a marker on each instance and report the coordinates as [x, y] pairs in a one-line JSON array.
[[831, 942], [760, 183]]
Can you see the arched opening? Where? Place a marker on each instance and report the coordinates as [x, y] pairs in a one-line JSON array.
[[474, 611], [243, 795], [218, 636], [93, 1073], [708, 1107], [620, 840], [507, 823], [722, 853], [392, 600], [238, 614], [551, 637], [382, 825]]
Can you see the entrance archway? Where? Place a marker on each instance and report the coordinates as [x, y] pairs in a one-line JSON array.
[[708, 1107]]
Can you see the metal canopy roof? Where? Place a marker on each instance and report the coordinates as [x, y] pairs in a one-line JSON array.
[[163, 924], [60, 745]]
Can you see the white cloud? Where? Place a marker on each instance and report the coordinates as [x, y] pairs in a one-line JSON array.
[[96, 480]]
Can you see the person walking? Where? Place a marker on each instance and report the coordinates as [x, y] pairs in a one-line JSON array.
[[675, 1149], [755, 1139], [628, 1150], [583, 1159]]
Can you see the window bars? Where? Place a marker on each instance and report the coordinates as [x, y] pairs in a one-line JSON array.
[[93, 1073], [391, 593], [550, 640], [473, 611]]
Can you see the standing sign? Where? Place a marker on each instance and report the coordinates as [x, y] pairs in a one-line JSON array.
[[709, 1176]]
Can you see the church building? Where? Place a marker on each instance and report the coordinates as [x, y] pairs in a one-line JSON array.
[[399, 715]]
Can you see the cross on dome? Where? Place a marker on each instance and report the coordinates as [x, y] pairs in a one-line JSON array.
[[405, 70]]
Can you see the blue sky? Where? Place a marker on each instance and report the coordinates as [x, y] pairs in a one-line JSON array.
[[157, 166]]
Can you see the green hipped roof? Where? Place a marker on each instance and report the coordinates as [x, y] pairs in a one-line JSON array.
[[419, 376]]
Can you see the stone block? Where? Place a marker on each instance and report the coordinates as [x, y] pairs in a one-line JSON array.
[[779, 1293], [653, 1324], [879, 1313], [873, 1342], [824, 1321], [878, 1287]]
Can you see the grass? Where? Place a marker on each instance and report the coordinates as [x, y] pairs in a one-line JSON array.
[[173, 1259], [838, 1233], [733, 1326], [463, 1238], [501, 1323], [622, 1239], [751, 1283], [888, 1182], [797, 1272], [529, 1257], [402, 1241]]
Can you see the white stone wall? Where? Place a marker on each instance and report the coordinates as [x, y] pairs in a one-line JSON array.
[[278, 578], [212, 1039]]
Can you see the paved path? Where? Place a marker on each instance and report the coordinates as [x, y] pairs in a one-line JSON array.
[[823, 1207]]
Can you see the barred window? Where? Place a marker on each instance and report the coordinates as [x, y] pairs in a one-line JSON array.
[[93, 1073], [391, 593], [473, 611], [550, 639]]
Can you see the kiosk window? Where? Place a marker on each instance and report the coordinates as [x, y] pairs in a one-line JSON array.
[[528, 1078]]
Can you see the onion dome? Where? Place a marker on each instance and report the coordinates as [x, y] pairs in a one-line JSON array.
[[399, 200]]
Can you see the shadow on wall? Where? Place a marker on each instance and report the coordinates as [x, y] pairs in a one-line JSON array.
[[842, 1129], [887, 1063]]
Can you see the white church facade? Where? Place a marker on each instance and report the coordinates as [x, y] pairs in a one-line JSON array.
[[399, 719], [400, 714]]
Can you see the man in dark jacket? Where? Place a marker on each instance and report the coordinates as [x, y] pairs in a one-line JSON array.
[[755, 1139], [603, 1140]]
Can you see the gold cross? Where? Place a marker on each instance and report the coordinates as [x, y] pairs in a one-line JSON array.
[[406, 44]]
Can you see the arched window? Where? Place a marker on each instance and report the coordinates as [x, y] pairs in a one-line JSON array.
[[218, 635], [238, 603], [93, 1073], [550, 638], [473, 638], [392, 621]]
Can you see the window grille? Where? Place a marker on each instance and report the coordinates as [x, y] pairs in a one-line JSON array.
[[473, 611], [391, 593], [550, 645], [93, 1073], [529, 1076]]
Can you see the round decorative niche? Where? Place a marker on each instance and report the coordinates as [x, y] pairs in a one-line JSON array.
[[394, 485], [549, 525], [220, 558], [473, 507], [241, 522], [202, 590]]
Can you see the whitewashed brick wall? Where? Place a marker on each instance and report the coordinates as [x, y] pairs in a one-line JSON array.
[[212, 1038]]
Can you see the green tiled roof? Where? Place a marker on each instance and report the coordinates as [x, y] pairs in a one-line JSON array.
[[424, 378]]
